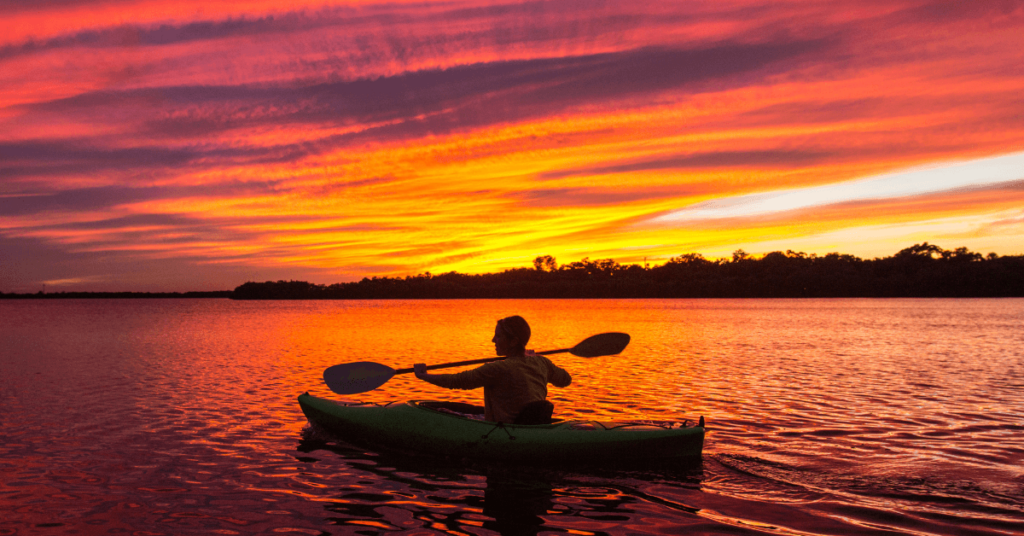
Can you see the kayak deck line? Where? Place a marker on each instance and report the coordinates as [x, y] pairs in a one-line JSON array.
[[477, 414], [439, 429]]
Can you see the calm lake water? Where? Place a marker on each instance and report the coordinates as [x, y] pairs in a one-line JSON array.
[[824, 417]]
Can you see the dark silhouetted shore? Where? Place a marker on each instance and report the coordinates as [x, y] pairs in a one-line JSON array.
[[923, 270]]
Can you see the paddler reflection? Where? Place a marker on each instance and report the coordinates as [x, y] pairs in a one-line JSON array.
[[515, 388], [516, 502], [432, 492]]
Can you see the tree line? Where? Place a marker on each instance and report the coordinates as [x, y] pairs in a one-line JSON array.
[[922, 270]]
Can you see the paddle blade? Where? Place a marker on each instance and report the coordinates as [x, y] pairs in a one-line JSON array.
[[603, 344], [360, 377]]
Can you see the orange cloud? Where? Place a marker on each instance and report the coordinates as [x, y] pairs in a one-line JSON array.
[[332, 141]]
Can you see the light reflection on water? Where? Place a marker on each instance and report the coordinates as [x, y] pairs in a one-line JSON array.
[[825, 417]]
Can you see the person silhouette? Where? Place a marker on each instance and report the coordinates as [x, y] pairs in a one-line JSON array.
[[515, 388]]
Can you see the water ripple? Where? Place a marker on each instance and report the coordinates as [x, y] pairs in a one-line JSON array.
[[825, 417]]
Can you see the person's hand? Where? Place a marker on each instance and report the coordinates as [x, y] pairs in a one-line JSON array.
[[420, 370]]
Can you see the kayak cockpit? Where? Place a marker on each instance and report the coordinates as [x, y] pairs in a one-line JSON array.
[[460, 409]]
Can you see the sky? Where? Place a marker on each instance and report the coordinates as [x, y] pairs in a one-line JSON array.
[[176, 146]]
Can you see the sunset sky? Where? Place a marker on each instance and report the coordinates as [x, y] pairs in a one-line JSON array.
[[173, 146]]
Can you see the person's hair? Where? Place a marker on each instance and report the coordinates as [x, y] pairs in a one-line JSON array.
[[516, 327]]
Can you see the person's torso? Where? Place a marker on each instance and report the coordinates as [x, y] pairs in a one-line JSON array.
[[523, 380]]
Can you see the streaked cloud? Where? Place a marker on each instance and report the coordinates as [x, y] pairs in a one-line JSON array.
[[329, 141]]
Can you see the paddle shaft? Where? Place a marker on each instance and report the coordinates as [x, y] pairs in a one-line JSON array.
[[363, 376], [477, 361]]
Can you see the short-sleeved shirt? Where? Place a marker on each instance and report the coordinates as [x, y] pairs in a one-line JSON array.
[[509, 384]]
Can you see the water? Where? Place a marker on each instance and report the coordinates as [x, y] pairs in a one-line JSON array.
[[824, 417]]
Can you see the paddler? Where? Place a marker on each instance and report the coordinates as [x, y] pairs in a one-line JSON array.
[[512, 385]]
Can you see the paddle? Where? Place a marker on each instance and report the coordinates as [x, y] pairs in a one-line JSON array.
[[363, 376]]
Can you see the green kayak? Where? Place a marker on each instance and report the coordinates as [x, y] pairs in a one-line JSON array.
[[447, 429]]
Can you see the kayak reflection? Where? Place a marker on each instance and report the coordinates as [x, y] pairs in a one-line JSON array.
[[392, 491]]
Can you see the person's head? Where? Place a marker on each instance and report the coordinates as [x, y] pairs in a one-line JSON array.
[[511, 335]]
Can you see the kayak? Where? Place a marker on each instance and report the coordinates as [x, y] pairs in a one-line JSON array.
[[452, 429]]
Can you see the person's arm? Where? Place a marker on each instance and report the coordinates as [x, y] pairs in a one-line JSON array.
[[557, 375], [470, 379], [420, 370]]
